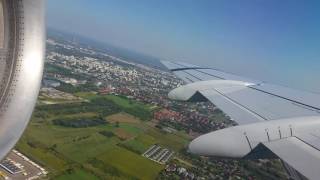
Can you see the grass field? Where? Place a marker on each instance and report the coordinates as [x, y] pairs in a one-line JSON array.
[[48, 100], [122, 118], [77, 175], [119, 100], [172, 141], [86, 95], [131, 163], [85, 153], [130, 106], [137, 146], [123, 134]]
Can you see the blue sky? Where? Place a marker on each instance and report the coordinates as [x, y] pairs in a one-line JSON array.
[[271, 40]]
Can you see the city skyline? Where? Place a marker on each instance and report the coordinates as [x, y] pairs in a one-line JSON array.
[[269, 40]]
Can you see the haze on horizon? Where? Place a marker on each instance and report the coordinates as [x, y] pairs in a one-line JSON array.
[[275, 41]]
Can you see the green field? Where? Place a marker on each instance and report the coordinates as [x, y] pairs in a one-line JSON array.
[[85, 153], [86, 95], [135, 165], [77, 175], [135, 108]]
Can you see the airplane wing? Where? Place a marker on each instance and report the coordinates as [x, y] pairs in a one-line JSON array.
[[288, 118], [300, 152]]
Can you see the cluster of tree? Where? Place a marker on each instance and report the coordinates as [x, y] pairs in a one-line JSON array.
[[36, 144], [79, 123], [80, 138], [69, 88], [65, 87], [108, 134], [54, 69], [172, 124], [139, 112], [129, 148], [103, 109]]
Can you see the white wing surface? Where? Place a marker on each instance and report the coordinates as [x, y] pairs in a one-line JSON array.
[[245, 100], [279, 119]]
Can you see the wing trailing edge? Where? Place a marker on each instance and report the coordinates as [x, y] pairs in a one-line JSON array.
[[274, 121]]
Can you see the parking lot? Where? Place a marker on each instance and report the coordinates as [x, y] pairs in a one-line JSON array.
[[18, 167]]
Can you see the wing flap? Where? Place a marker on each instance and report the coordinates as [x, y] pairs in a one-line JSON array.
[[307, 100], [236, 111], [271, 107], [300, 155]]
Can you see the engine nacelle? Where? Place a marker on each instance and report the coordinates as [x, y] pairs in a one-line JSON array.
[[22, 47], [239, 141]]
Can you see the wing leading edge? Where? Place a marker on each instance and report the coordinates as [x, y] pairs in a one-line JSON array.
[[248, 103], [283, 120]]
